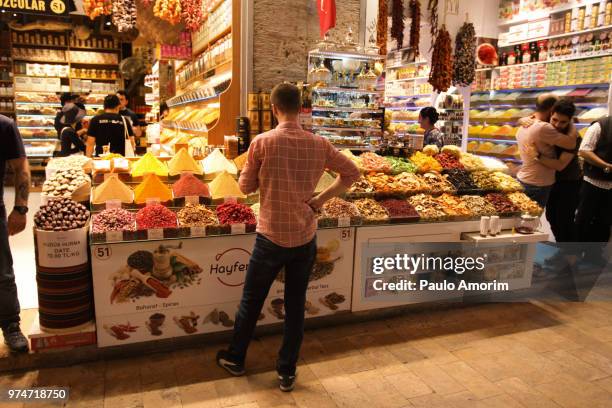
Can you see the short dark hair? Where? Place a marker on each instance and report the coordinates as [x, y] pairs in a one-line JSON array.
[[545, 102], [123, 93], [111, 101], [565, 107], [67, 97], [287, 98], [430, 113]]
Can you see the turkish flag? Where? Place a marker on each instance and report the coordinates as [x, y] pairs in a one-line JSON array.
[[327, 15]]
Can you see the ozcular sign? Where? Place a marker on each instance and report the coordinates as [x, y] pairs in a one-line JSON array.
[[40, 7]]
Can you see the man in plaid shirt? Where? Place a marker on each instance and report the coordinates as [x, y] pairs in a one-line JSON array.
[[285, 164]]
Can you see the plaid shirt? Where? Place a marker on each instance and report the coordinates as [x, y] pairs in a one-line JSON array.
[[286, 164]]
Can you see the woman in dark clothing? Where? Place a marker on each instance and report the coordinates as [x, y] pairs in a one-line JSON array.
[[427, 119], [70, 140]]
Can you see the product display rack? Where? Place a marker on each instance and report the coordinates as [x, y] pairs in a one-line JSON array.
[[345, 101]]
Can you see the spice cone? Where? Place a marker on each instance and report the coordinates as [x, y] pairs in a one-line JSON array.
[[112, 189], [152, 187], [149, 164], [183, 161], [224, 185]]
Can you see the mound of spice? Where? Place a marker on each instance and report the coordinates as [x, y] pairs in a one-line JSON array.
[[399, 208], [337, 207], [190, 185], [224, 185], [149, 164], [196, 216], [155, 216], [112, 189], [502, 204], [449, 161], [399, 165], [113, 219], [183, 161], [461, 180], [373, 162], [525, 204], [371, 210], [234, 213], [61, 215], [427, 207], [478, 205], [453, 206], [216, 162], [151, 188]]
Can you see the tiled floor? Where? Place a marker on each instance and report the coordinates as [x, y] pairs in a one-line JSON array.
[[484, 356]]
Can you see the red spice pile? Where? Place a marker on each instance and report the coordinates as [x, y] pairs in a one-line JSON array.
[[190, 185], [233, 213], [399, 208], [448, 161], [155, 216]]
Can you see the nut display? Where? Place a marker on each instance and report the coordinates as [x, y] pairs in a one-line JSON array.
[[361, 186], [155, 216], [437, 183], [524, 203], [337, 207], [449, 161], [505, 182], [196, 215], [399, 208], [484, 180], [371, 209], [461, 180], [113, 219], [373, 162], [64, 183], [61, 215], [399, 165], [427, 207], [464, 63], [478, 205], [425, 162], [453, 206], [234, 213], [502, 203]]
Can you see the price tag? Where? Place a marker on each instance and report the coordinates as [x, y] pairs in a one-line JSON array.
[[344, 222], [113, 204], [114, 236], [195, 200], [152, 201], [238, 228], [230, 200], [155, 233], [198, 231]]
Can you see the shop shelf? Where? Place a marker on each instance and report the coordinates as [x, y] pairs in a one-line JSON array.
[[341, 109], [492, 139], [408, 79], [55, 47], [345, 54], [543, 14], [97, 64], [335, 89], [197, 100], [408, 64], [97, 79], [349, 129], [564, 59], [506, 236], [550, 37]]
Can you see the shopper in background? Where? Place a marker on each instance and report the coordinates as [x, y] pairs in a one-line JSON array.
[[109, 128], [563, 198], [13, 154], [128, 113], [594, 215], [285, 164], [164, 110], [71, 141], [427, 119], [538, 140], [65, 98]]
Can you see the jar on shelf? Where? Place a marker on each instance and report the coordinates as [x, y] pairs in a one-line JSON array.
[[511, 58], [542, 51]]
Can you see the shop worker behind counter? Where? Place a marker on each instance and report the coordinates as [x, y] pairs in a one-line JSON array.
[[13, 154], [108, 128], [128, 113], [285, 164]]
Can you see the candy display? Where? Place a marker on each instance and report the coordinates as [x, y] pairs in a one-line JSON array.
[[234, 213], [69, 162], [113, 219], [449, 161], [337, 207], [400, 165], [399, 209], [112, 189], [155, 216], [478, 205], [371, 210], [66, 183], [425, 163], [149, 164], [384, 183], [224, 185], [437, 183], [484, 180], [427, 207], [461, 180], [525, 204], [61, 214], [182, 162], [196, 215], [152, 188], [502, 203], [190, 185], [373, 162], [453, 206]]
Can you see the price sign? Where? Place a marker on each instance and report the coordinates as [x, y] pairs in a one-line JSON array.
[[238, 228], [198, 231], [344, 222], [156, 233], [195, 200], [114, 236], [230, 200], [152, 201], [113, 204]]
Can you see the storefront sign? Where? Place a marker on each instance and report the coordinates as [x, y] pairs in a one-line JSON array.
[[39, 7], [150, 290]]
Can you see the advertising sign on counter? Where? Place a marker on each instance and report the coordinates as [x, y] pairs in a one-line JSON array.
[[152, 290], [61, 249]]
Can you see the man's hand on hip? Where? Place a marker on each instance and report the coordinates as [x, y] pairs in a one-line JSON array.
[[16, 222], [316, 202]]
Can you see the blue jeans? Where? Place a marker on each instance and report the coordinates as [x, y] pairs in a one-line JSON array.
[[265, 264], [9, 304], [538, 194]]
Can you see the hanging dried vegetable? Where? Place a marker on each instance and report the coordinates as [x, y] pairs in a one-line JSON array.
[[192, 14], [432, 8], [464, 63], [168, 10], [397, 22], [415, 25], [441, 62], [95, 8], [124, 15], [382, 27]]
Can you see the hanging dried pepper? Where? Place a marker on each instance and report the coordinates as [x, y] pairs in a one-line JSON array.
[[441, 61], [432, 8], [192, 14], [382, 26], [415, 25], [168, 10], [124, 15], [397, 22], [464, 63]]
